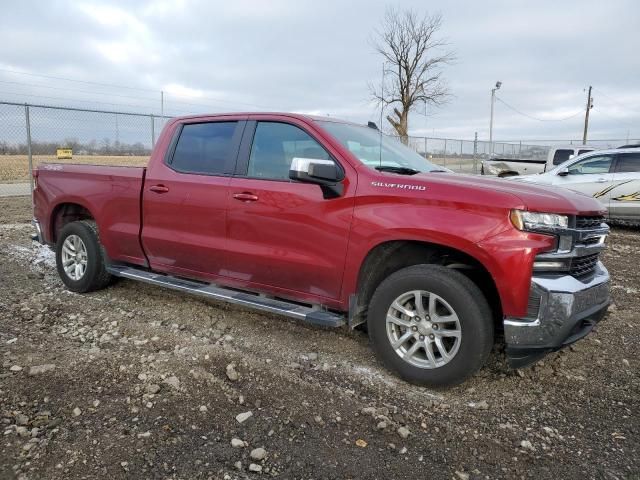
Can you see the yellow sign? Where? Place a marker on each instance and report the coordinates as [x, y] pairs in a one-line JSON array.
[[64, 154]]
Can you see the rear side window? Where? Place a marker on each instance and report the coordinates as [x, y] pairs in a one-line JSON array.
[[206, 148], [628, 162], [275, 145], [580, 152], [561, 156]]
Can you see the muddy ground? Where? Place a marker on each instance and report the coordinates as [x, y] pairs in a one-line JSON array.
[[139, 382]]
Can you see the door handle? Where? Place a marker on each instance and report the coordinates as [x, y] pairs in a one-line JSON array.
[[159, 189], [601, 180], [245, 197]]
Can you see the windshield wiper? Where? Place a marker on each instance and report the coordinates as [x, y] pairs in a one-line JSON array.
[[398, 170]]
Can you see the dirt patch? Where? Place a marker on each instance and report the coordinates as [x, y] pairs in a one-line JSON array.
[[139, 382]]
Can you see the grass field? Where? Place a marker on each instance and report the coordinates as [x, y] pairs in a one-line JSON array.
[[15, 168]]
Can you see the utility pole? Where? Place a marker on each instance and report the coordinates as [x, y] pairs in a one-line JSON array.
[[493, 100], [586, 116]]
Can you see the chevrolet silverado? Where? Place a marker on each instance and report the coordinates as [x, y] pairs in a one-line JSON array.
[[335, 224]]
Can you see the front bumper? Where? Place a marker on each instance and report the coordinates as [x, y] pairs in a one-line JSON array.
[[564, 310]]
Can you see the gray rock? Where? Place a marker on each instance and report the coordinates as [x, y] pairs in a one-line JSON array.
[[369, 410], [77, 412], [258, 454], [40, 369], [255, 468], [482, 405], [21, 419], [462, 475], [231, 373], [15, 368], [237, 443], [526, 444], [381, 425], [172, 381], [22, 431], [243, 417], [238, 465], [403, 432], [152, 388]]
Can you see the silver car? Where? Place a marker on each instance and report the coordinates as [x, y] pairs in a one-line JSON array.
[[611, 176]]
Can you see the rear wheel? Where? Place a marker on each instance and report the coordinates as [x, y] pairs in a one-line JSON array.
[[80, 258], [431, 325]]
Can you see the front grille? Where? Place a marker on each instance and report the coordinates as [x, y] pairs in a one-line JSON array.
[[589, 222], [583, 266]]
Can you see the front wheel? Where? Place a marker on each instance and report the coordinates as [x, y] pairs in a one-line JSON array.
[[431, 325], [80, 258]]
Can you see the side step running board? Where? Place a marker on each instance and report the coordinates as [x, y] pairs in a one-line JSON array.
[[317, 317]]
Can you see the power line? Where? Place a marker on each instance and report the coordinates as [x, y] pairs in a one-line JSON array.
[[579, 112], [615, 101], [111, 85], [77, 81]]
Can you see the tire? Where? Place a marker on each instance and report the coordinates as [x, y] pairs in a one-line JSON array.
[[451, 292], [95, 275]]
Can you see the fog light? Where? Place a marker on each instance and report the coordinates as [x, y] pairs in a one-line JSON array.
[[548, 265]]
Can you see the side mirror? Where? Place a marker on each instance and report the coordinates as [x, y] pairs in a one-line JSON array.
[[325, 173], [564, 172]]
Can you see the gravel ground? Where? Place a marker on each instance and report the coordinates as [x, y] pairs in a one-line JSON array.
[[139, 382]]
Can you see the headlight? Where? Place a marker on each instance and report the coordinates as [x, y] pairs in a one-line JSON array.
[[535, 222]]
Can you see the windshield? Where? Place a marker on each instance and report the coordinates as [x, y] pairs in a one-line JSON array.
[[375, 150]]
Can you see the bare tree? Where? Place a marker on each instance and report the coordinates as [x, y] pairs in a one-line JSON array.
[[413, 61]]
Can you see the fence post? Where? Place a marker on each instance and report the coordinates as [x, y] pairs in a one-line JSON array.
[[444, 158], [475, 154], [153, 132], [461, 149], [29, 156], [425, 148]]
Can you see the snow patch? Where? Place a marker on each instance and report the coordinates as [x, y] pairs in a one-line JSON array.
[[37, 254]]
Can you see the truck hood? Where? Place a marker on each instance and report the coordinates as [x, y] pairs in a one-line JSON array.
[[514, 194]]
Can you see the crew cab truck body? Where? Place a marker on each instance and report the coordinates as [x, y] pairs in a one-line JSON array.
[[332, 223], [507, 167]]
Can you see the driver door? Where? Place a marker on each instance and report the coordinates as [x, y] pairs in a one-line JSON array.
[[285, 235], [592, 175]]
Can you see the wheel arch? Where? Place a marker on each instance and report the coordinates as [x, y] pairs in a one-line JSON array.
[[64, 213], [390, 256]]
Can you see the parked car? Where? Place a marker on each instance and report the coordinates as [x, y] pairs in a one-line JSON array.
[[611, 176], [508, 167], [334, 224]]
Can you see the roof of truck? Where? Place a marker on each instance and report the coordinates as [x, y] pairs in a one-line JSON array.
[[300, 116]]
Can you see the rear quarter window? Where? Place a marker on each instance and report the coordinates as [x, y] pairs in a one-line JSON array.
[[628, 163], [205, 148]]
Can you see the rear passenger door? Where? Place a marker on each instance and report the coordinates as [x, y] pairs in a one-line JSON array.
[[625, 194], [185, 198], [285, 236]]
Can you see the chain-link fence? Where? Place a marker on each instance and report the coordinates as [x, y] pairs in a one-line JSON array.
[[32, 134]]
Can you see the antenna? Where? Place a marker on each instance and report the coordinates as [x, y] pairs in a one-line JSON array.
[[381, 111]]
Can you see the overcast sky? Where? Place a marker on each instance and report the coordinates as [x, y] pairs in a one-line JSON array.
[[316, 56]]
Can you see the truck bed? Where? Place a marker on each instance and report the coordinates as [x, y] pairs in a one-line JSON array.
[[111, 194]]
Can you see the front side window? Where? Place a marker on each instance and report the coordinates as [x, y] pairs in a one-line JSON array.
[[580, 152], [628, 162], [561, 156], [204, 148], [275, 145], [593, 165]]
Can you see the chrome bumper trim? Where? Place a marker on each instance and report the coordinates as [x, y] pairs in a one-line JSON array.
[[565, 302], [38, 235]]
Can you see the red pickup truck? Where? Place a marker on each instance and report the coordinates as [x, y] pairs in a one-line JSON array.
[[335, 224]]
